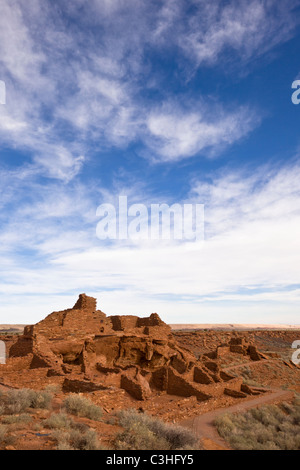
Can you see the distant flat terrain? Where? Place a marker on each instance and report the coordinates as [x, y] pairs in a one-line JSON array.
[[231, 326], [11, 328]]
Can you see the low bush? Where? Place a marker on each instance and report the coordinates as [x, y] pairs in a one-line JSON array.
[[19, 400], [83, 407], [142, 432], [3, 431], [5, 438], [58, 421], [269, 427], [63, 421], [23, 418], [76, 440]]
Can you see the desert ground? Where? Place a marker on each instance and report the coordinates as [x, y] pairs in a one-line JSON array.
[[230, 326], [82, 380]]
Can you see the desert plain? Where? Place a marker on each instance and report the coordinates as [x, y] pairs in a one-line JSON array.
[[80, 379]]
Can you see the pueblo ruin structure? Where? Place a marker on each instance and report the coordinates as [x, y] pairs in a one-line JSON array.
[[90, 351]]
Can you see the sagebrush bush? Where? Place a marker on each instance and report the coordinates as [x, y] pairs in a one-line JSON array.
[[40, 399], [3, 430], [83, 407], [52, 389], [142, 432], [23, 418], [19, 400], [76, 440], [5, 438], [58, 421], [270, 427], [139, 437], [63, 421], [84, 441]]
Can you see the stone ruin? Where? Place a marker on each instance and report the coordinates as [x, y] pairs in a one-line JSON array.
[[91, 351]]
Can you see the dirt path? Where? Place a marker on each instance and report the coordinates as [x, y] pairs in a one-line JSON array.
[[5, 387], [249, 364], [203, 426]]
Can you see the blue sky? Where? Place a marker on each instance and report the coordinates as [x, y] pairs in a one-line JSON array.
[[165, 102]]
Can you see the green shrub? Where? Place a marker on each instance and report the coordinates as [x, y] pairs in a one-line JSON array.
[[76, 440], [5, 438], [18, 401], [139, 437], [23, 418], [84, 441], [40, 399], [266, 428], [80, 426], [58, 421], [52, 389], [224, 425], [142, 432], [3, 431], [83, 407]]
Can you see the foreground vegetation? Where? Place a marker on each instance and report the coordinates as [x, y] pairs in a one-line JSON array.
[[18, 401], [71, 427], [142, 432], [270, 427]]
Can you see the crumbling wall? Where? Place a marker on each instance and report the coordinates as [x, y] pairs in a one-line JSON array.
[[137, 386], [81, 320], [139, 355], [21, 347], [178, 385]]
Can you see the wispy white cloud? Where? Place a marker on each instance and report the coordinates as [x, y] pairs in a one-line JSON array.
[[245, 30], [71, 85], [252, 249], [263, 195], [31, 92], [176, 133], [77, 79]]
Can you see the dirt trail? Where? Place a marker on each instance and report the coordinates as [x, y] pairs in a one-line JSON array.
[[203, 426], [5, 387], [249, 364]]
